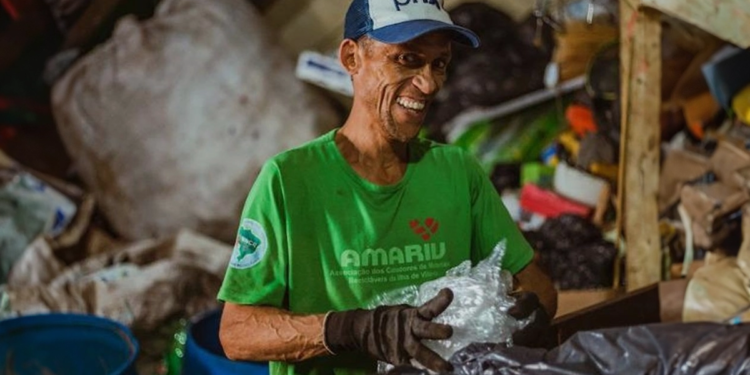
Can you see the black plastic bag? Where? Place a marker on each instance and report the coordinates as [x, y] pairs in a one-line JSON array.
[[505, 66], [655, 349], [573, 253]]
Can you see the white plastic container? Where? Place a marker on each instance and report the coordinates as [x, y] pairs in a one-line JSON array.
[[578, 185]]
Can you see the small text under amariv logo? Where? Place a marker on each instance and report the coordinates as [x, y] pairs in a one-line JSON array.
[[250, 246]]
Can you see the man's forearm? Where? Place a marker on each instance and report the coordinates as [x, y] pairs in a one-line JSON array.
[[258, 333]]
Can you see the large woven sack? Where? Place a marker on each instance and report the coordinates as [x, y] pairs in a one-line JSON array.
[[141, 284], [169, 122], [721, 291]]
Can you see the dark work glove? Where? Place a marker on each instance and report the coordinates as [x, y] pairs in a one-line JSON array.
[[392, 333], [527, 303]]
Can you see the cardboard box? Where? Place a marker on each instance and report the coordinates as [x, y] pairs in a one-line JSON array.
[[728, 159], [679, 167], [742, 178], [708, 204], [571, 301], [662, 302], [712, 237]]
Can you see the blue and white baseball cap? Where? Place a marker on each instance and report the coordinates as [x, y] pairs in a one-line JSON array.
[[399, 21]]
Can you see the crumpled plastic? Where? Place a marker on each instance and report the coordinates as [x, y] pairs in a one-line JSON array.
[[479, 311], [654, 349], [28, 208]]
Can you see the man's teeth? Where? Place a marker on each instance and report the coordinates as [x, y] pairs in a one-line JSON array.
[[411, 104]]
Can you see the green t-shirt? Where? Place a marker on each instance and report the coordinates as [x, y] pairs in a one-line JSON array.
[[316, 237]]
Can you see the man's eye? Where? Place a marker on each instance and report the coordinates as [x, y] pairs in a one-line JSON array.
[[440, 64], [408, 59]]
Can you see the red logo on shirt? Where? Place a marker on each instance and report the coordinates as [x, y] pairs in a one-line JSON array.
[[426, 229]]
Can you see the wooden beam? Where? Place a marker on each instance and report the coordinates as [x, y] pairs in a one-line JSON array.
[[640, 67], [726, 19]]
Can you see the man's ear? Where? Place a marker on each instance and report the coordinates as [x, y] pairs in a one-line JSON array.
[[348, 56]]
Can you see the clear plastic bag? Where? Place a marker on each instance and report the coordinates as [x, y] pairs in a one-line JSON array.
[[479, 311]]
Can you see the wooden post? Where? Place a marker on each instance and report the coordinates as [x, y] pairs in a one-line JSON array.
[[727, 19], [640, 67]]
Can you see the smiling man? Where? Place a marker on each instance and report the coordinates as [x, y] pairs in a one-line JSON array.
[[366, 209]]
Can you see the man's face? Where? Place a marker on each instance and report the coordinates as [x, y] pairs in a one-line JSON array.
[[397, 82]]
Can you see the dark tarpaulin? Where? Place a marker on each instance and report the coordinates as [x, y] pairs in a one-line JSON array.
[[656, 349]]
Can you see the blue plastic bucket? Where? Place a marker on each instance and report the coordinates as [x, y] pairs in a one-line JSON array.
[[204, 354], [66, 344]]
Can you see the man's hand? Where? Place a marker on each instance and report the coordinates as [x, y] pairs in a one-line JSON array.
[[527, 303], [536, 294], [392, 333]]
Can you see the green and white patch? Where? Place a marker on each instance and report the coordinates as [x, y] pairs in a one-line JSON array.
[[250, 246]]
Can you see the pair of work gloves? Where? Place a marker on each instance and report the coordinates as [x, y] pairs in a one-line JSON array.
[[394, 334]]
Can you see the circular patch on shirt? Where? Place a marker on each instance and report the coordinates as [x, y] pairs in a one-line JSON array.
[[250, 246]]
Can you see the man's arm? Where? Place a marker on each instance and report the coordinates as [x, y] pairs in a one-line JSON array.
[[533, 279], [392, 334], [260, 333]]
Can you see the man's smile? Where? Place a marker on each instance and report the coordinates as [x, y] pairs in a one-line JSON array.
[[413, 104]]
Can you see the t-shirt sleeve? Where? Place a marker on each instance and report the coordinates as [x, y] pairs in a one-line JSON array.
[[491, 222], [257, 271]]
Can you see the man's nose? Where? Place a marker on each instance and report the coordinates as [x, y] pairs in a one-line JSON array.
[[426, 82]]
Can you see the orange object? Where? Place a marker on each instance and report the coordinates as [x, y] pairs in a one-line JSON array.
[[581, 119], [697, 129], [698, 110]]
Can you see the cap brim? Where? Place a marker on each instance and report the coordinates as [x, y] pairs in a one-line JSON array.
[[410, 30]]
